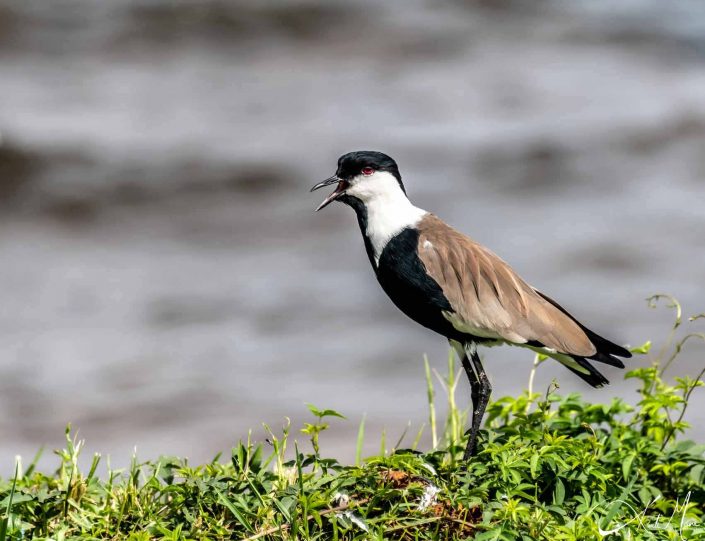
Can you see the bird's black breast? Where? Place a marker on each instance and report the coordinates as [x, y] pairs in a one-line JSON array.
[[403, 277]]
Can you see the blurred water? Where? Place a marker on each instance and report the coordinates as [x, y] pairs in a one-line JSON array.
[[164, 281]]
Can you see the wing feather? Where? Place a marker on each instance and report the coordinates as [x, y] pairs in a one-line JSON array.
[[488, 298]]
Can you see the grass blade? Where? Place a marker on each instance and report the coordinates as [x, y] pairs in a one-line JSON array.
[[360, 441], [5, 521], [430, 394], [234, 511]]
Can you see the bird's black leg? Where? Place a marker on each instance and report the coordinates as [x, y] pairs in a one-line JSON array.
[[472, 377], [481, 390], [475, 391]]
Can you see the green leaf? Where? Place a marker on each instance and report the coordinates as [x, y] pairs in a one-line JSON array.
[[491, 535], [534, 466], [11, 501], [235, 512], [559, 493], [645, 495], [642, 349], [627, 466], [324, 413]]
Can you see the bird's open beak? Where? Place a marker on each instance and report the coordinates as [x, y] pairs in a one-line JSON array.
[[339, 190]]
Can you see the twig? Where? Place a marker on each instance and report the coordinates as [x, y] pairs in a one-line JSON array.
[[417, 523], [430, 520]]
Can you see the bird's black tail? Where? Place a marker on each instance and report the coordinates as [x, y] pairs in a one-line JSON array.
[[607, 352], [592, 377]]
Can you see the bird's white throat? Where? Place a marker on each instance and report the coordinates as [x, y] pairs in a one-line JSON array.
[[389, 211]]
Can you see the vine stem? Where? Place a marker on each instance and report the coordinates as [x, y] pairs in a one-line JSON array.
[[537, 361], [686, 398]]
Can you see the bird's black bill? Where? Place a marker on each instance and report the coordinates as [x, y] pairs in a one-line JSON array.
[[339, 190]]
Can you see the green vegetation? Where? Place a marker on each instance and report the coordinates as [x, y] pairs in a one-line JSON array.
[[550, 467]]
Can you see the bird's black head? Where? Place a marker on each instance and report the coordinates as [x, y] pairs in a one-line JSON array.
[[359, 162], [363, 175]]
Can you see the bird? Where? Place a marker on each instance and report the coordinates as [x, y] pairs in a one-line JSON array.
[[453, 285]]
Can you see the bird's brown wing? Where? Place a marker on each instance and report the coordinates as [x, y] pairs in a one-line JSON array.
[[488, 298]]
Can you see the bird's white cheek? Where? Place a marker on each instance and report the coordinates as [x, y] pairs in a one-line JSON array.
[[360, 188], [379, 185]]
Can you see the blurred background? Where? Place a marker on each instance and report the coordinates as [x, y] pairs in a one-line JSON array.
[[164, 282]]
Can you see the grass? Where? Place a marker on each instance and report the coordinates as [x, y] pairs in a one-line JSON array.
[[550, 467]]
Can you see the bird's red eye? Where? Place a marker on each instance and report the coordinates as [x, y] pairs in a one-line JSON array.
[[367, 171]]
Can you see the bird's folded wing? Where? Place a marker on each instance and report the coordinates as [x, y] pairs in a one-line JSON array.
[[488, 298]]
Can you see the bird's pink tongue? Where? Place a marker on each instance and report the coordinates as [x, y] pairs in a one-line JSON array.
[[342, 185]]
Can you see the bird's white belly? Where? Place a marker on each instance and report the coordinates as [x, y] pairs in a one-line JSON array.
[[464, 327]]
